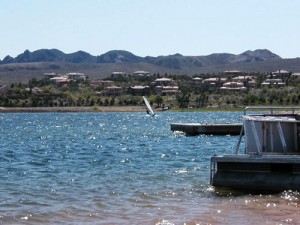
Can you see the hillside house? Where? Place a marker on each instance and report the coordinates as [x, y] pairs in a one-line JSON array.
[[101, 83], [197, 80], [48, 76], [139, 90], [273, 82], [214, 81], [141, 74], [233, 87], [58, 78], [166, 90], [165, 86], [296, 75], [112, 91], [248, 81], [164, 82], [61, 80], [281, 73], [76, 76], [36, 90]]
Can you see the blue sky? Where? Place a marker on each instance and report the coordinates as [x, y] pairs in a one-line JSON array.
[[151, 27]]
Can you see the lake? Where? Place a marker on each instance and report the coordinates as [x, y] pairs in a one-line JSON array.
[[122, 168]]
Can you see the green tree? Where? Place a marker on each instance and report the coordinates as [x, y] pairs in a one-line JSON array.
[[158, 100], [183, 100], [202, 100], [112, 101]]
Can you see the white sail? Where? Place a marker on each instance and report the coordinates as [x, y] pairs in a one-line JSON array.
[[150, 110]]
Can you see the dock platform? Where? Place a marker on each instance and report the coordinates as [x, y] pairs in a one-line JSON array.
[[256, 173], [211, 129]]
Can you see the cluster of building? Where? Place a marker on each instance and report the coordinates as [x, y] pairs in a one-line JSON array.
[[65, 78], [139, 73], [240, 82], [162, 86], [232, 81]]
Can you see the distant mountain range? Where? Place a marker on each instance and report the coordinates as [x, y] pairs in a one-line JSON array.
[[176, 61], [36, 63]]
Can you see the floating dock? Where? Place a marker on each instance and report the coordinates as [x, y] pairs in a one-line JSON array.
[[255, 173], [270, 161], [211, 129]]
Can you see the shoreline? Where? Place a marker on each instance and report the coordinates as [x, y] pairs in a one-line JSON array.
[[107, 109], [74, 109]]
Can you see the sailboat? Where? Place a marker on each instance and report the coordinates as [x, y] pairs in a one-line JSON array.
[[149, 108]]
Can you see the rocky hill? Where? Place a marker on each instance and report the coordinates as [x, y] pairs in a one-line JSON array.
[[176, 61], [50, 55], [35, 64]]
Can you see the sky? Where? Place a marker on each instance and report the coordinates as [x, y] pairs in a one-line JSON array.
[[150, 27]]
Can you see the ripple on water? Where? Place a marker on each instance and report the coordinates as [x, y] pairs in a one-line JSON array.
[[121, 168]]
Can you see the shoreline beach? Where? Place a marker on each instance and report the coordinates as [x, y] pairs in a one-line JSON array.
[[110, 109], [74, 109]]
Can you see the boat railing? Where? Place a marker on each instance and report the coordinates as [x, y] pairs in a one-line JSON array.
[[271, 109], [277, 127]]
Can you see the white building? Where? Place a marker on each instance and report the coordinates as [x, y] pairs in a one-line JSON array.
[[76, 76], [233, 87], [275, 82], [60, 79], [164, 82], [141, 73], [166, 90], [214, 81], [249, 81], [281, 73], [197, 80]]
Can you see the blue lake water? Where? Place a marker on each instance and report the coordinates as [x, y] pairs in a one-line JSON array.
[[122, 168]]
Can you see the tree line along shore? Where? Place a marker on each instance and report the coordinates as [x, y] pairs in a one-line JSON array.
[[228, 90]]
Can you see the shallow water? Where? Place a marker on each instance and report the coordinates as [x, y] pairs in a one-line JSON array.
[[122, 168]]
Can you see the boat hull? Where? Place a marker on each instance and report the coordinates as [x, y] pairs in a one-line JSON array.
[[256, 174]]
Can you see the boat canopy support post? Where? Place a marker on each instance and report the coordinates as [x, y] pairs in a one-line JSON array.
[[283, 142], [239, 142], [271, 137], [257, 142]]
